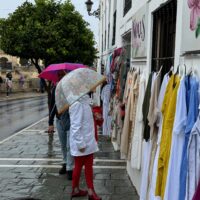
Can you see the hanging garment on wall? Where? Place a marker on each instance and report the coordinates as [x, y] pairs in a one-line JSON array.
[[136, 153], [116, 121], [147, 145], [159, 124], [135, 94], [124, 68], [116, 53], [127, 121], [191, 119], [197, 193], [145, 166], [173, 183], [168, 110], [145, 108], [108, 64], [105, 97], [129, 81], [193, 177], [152, 118], [153, 105]]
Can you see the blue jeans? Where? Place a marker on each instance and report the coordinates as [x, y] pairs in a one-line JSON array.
[[63, 134]]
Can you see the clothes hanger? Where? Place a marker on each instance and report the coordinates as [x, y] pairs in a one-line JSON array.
[[171, 71], [190, 71], [160, 69], [177, 71]]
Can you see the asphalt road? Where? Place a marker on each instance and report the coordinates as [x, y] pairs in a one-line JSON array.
[[18, 114]]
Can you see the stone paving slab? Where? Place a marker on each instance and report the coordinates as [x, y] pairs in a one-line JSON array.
[[30, 161]]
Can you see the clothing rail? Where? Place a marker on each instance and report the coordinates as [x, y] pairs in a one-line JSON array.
[[164, 58]]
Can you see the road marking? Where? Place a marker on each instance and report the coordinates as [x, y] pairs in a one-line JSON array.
[[58, 166], [58, 159], [32, 130], [8, 138]]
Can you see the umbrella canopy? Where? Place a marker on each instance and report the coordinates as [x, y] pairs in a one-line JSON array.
[[50, 73], [75, 85]]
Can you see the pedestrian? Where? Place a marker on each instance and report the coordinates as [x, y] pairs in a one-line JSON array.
[[8, 82], [21, 80], [1, 82], [63, 126], [42, 85], [83, 146]]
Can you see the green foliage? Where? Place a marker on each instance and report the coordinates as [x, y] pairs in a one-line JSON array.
[[48, 30]]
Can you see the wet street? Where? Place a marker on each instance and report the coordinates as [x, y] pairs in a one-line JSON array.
[[30, 161], [18, 114]]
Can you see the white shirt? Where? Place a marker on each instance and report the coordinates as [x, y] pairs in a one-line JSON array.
[[82, 133], [193, 175], [136, 150]]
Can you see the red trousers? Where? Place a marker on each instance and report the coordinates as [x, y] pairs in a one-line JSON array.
[[81, 161]]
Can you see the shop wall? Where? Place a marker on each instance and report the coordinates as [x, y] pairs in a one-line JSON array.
[[191, 59], [124, 25]]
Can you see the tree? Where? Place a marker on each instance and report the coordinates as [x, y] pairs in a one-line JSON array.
[[50, 31], [47, 30]]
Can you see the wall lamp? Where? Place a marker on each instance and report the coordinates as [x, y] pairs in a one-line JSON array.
[[95, 13]]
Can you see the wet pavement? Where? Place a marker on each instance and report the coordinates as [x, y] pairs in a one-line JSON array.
[[20, 113], [30, 161]]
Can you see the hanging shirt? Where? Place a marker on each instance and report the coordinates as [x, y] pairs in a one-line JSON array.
[[128, 119], [105, 97], [197, 193], [168, 110], [152, 117], [191, 119], [136, 154], [193, 178], [145, 108], [159, 124], [172, 185]]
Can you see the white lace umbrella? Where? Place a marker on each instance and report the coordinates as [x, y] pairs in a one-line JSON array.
[[75, 85]]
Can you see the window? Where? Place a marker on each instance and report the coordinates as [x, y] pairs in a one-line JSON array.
[[164, 32], [127, 6], [114, 27], [105, 41], [108, 43]]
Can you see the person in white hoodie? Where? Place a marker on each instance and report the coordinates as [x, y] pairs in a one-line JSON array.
[[82, 146]]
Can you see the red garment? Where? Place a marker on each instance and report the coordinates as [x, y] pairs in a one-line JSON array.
[[98, 119], [197, 193], [116, 53], [79, 162]]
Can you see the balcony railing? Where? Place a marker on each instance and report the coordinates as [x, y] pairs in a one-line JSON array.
[[127, 6]]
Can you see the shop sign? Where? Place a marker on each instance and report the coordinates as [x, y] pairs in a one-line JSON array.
[[191, 26], [139, 33]]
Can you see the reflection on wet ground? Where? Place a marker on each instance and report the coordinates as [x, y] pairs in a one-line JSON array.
[[17, 114]]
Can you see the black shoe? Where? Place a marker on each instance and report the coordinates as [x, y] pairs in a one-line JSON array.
[[63, 170], [69, 175]]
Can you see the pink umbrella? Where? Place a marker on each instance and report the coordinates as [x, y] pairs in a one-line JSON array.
[[50, 73]]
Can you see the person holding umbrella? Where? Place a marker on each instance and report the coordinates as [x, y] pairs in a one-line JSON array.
[[83, 144], [63, 127], [54, 73]]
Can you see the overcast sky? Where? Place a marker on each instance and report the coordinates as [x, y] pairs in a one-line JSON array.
[[8, 6]]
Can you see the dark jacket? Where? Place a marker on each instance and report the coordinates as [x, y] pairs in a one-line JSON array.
[[53, 112]]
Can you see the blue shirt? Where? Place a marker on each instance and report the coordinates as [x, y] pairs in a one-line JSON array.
[[192, 100]]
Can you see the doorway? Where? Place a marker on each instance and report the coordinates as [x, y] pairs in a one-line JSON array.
[[164, 33]]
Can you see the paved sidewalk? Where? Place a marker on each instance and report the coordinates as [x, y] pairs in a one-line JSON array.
[[20, 95], [30, 161]]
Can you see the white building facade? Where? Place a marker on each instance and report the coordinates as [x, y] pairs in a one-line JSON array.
[[155, 33]]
